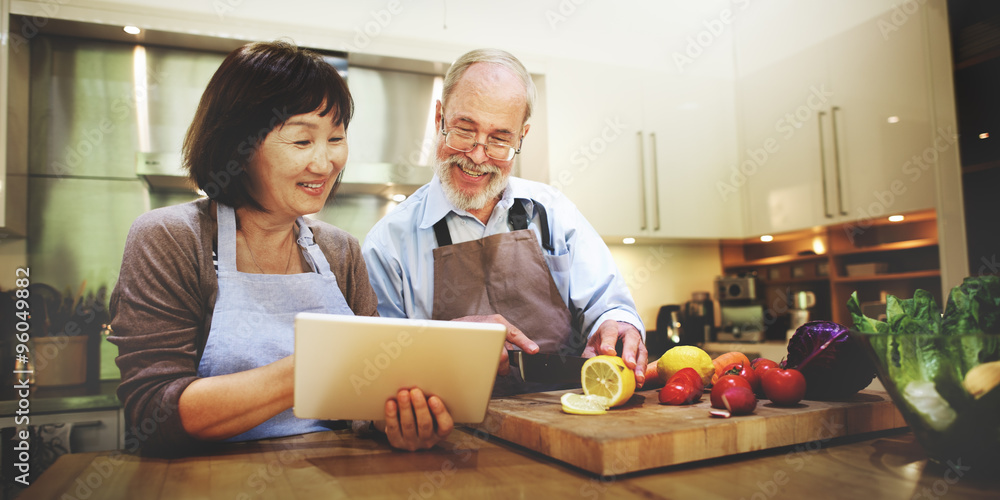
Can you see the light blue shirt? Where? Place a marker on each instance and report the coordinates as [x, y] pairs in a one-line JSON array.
[[399, 254]]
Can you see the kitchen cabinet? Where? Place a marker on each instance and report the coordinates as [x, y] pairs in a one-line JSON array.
[[642, 152], [14, 61], [841, 127]]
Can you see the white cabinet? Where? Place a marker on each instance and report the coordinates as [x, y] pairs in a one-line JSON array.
[[848, 116], [641, 152]]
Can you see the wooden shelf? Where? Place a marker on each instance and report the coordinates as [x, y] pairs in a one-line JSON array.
[[908, 248], [779, 259], [932, 273], [887, 247]]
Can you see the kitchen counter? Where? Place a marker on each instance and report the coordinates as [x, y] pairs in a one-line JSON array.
[[66, 399], [470, 464]]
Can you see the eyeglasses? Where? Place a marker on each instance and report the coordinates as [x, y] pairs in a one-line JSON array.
[[465, 142]]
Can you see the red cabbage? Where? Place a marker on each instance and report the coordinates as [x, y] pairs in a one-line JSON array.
[[834, 363]]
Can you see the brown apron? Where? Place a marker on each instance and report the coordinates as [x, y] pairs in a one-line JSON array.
[[505, 274]]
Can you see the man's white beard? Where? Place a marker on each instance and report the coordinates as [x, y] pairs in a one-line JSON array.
[[470, 201]]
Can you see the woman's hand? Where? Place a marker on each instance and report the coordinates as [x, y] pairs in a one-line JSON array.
[[415, 423]]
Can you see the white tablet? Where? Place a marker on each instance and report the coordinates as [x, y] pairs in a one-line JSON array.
[[346, 367]]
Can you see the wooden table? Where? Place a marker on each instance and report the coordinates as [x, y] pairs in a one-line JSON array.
[[470, 464]]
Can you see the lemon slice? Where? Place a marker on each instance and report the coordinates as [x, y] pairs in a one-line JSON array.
[[607, 376], [579, 404]]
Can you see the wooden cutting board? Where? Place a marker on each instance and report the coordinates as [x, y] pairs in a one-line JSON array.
[[643, 434]]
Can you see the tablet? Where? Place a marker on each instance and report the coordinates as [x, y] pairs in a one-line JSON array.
[[346, 367]]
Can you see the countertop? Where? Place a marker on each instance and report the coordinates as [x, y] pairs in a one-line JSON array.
[[44, 400], [471, 464]]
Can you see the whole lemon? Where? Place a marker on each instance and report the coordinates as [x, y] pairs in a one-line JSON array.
[[686, 356]]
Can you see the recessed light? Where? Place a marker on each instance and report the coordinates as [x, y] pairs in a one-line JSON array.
[[132, 30], [893, 119], [766, 238], [628, 241], [984, 135], [895, 218], [398, 197]]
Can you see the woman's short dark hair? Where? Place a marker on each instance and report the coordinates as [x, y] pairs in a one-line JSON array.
[[256, 89]]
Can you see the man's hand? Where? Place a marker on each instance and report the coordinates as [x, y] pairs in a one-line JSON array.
[[515, 337], [414, 423], [634, 353]]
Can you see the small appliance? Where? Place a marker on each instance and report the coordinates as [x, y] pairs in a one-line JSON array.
[[799, 314], [741, 313]]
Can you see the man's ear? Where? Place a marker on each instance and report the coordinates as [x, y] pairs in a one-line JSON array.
[[526, 127], [437, 115]]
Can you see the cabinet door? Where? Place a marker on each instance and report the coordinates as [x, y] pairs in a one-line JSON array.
[[886, 144], [692, 148], [782, 160], [595, 136]]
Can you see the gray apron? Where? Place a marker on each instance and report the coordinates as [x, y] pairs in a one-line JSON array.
[[505, 274], [253, 320]]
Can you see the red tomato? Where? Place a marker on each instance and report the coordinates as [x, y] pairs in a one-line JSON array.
[[745, 371], [726, 382], [784, 387], [760, 366], [689, 375], [739, 400], [683, 387]]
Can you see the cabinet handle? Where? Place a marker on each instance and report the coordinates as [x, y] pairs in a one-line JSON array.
[[656, 184], [642, 181], [822, 165], [836, 159]]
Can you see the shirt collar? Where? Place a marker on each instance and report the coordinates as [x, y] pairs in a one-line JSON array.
[[438, 206]]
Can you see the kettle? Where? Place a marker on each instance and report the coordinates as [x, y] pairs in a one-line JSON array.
[[698, 319]]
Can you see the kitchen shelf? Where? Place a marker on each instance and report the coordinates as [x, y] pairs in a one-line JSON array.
[[889, 247], [909, 250], [931, 273]]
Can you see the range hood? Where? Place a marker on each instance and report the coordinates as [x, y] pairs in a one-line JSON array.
[[154, 86], [391, 137]]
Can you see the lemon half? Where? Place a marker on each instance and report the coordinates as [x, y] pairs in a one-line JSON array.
[[579, 404], [608, 377]]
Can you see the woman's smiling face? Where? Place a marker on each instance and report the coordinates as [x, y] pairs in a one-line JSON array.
[[295, 166]]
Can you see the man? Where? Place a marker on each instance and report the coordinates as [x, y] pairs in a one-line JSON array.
[[477, 244]]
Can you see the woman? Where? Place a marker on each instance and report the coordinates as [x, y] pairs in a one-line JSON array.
[[204, 306]]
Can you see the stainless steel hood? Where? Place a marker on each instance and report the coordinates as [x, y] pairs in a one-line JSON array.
[[154, 88]]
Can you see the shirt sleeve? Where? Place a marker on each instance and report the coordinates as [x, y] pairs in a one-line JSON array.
[[158, 314], [597, 290], [385, 273]]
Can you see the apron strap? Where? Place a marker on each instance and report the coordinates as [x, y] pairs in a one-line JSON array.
[[518, 218], [226, 251], [442, 233]]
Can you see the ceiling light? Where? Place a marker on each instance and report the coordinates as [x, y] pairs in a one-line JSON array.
[[984, 135], [132, 30], [895, 218], [398, 197], [766, 238], [893, 119], [628, 241]]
